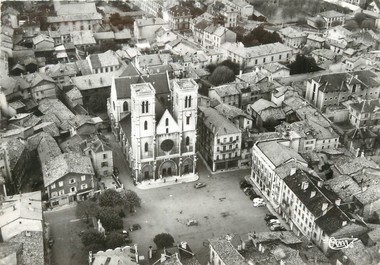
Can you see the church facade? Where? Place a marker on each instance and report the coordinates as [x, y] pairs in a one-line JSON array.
[[159, 138]]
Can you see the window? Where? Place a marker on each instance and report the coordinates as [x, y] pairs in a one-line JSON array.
[[104, 164], [187, 120], [187, 140], [52, 186], [60, 183], [73, 189], [54, 194], [263, 60], [217, 157], [83, 186], [146, 147], [104, 156], [71, 181], [167, 122], [125, 106], [61, 192], [83, 178], [231, 139], [145, 125]]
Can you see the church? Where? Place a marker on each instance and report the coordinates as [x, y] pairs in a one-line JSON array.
[[154, 119]]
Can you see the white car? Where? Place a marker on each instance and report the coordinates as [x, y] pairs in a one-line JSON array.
[[258, 200], [258, 203], [273, 221]]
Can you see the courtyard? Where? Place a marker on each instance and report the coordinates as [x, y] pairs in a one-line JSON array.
[[220, 208]]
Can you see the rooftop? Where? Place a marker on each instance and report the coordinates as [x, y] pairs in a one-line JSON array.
[[279, 154], [217, 122], [256, 51], [63, 164], [105, 59], [227, 252], [366, 106], [227, 90], [290, 32]]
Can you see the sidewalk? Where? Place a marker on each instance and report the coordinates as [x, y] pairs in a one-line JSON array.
[[220, 171], [61, 207], [168, 181]]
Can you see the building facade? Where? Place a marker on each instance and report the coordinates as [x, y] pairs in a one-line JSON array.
[[180, 17], [163, 144]]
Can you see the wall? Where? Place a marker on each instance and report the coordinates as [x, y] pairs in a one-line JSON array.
[[14, 228]]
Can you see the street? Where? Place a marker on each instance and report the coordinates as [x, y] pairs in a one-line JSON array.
[[65, 226]]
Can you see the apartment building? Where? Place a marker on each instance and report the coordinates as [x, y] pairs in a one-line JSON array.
[[292, 37], [179, 18], [256, 55], [242, 6], [103, 62], [219, 140], [333, 89], [215, 36], [228, 94], [365, 113]]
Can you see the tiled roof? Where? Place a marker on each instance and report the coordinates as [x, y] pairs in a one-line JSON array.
[[179, 10], [344, 186], [74, 144], [217, 123], [74, 94], [63, 164], [315, 38], [84, 37], [149, 22], [61, 69], [290, 32], [332, 221], [15, 149], [331, 14], [325, 53], [366, 106], [231, 112], [48, 149], [279, 154], [93, 81], [350, 166], [256, 51], [227, 253], [321, 194], [56, 107], [262, 104], [101, 60], [41, 38], [32, 247], [286, 237], [226, 90]]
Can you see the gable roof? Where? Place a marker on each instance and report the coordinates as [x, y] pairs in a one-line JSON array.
[[64, 164], [279, 154], [217, 122]]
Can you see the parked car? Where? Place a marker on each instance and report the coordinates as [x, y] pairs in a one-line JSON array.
[[258, 203], [269, 217], [245, 184], [51, 242], [192, 222], [250, 192], [127, 240], [115, 171], [200, 185], [134, 227], [253, 196], [273, 222], [277, 227], [258, 199], [124, 233]]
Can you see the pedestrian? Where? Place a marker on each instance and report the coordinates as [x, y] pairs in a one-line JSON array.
[[176, 180], [164, 180], [180, 212]]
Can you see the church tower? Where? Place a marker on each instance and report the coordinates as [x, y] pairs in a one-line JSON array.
[[185, 101], [143, 128]]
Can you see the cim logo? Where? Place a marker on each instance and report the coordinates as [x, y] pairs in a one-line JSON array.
[[341, 243]]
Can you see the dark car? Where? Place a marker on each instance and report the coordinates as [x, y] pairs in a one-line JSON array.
[[127, 240], [135, 227], [115, 171], [245, 184], [199, 185], [249, 192], [253, 196], [269, 217], [124, 233]]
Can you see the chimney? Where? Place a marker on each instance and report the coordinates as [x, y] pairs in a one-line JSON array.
[[293, 171], [313, 193], [344, 223], [305, 185], [324, 206], [337, 202]]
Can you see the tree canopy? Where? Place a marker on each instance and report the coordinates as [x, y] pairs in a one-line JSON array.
[[114, 240], [93, 240], [303, 64], [131, 199], [222, 75], [110, 198], [110, 218], [87, 208], [163, 240], [260, 36]]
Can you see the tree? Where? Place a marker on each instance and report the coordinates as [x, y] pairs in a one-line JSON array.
[[163, 240], [131, 199], [86, 209], [336, 23], [303, 64], [233, 66], [359, 18], [319, 24], [351, 25], [92, 236], [368, 24], [211, 67], [110, 198], [114, 240], [110, 219], [222, 75], [98, 102]]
